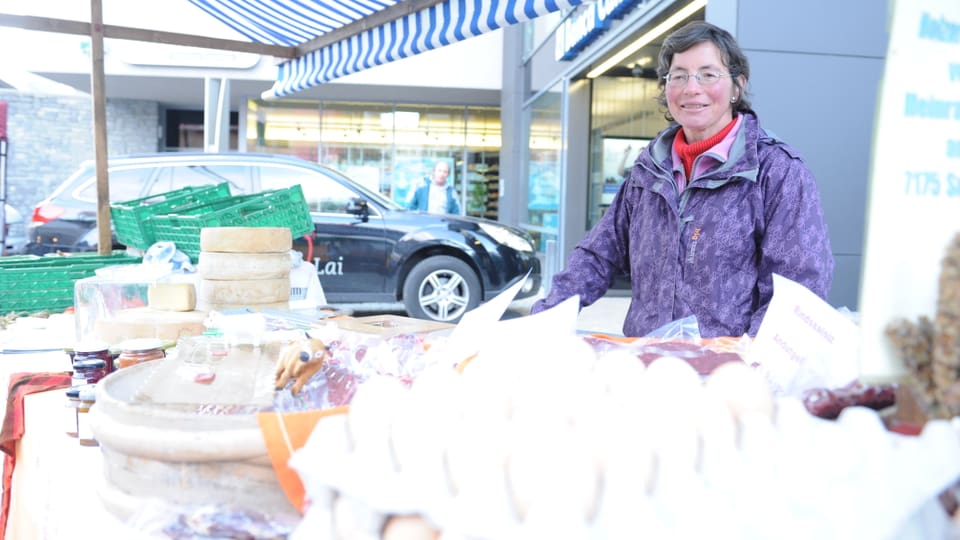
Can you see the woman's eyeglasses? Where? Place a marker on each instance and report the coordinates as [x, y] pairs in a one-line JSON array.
[[704, 78]]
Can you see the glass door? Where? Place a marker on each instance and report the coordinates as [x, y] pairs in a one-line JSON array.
[[545, 144]]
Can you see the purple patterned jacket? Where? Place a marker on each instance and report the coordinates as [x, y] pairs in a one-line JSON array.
[[711, 250]]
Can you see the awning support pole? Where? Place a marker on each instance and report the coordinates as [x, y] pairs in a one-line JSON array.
[[97, 84]]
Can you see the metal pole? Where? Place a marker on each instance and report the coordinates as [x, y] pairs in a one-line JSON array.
[[97, 84], [3, 196], [3, 178]]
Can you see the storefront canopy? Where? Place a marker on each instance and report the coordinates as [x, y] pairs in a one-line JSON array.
[[337, 38], [317, 41]]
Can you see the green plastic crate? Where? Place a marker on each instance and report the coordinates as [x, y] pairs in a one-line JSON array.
[[275, 208], [130, 221], [30, 284], [60, 259]]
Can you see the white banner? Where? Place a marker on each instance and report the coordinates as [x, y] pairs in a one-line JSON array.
[[914, 196]]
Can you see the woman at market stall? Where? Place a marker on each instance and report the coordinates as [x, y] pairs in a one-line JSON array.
[[710, 210]]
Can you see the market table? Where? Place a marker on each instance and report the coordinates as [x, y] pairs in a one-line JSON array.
[[54, 488], [16, 359]]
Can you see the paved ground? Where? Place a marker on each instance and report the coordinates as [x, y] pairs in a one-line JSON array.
[[604, 317]]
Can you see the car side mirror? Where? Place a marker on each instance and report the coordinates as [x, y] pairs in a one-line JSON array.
[[358, 207]]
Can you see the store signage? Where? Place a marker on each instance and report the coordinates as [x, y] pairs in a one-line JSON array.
[[587, 24], [159, 54], [914, 190]]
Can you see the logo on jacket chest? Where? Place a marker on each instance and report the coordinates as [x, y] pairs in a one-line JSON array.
[[694, 240]]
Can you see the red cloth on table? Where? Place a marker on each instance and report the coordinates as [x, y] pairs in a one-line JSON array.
[[21, 384]]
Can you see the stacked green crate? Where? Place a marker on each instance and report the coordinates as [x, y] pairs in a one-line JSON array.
[[275, 208], [31, 283], [130, 218]]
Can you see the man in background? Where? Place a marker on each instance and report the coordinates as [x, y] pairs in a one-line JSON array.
[[436, 196]]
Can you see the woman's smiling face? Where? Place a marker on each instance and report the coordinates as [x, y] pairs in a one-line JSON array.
[[702, 110]]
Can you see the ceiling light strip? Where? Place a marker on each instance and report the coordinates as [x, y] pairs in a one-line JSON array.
[[646, 38]]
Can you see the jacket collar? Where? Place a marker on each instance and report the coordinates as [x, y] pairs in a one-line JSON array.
[[743, 161]]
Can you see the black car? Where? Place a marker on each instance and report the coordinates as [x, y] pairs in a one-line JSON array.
[[366, 247]]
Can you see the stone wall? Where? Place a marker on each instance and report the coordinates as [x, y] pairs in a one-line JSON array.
[[49, 136]]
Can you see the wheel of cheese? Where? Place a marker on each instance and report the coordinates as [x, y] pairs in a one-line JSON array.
[[243, 291], [146, 322], [246, 239], [283, 306], [225, 266]]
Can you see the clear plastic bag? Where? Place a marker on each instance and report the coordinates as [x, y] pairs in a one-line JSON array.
[[686, 328], [353, 358]]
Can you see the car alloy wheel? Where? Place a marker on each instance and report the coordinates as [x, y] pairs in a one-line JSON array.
[[441, 288]]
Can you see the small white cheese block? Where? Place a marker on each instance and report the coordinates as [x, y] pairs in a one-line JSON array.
[[246, 239], [172, 296]]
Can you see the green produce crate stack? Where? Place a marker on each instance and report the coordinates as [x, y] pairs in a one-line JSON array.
[[130, 218], [30, 283], [274, 208]]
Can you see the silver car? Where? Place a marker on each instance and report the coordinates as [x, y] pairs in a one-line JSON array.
[[14, 232]]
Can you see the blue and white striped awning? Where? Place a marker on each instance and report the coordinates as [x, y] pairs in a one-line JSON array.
[[299, 23]]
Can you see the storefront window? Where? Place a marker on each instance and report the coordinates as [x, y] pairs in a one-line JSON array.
[[357, 139], [543, 166], [624, 118], [390, 147], [483, 163], [287, 127]]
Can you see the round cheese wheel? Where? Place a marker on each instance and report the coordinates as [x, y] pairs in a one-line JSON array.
[[226, 266], [284, 306], [243, 291], [147, 322], [246, 239]]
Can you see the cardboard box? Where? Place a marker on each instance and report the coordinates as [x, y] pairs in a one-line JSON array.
[[389, 325]]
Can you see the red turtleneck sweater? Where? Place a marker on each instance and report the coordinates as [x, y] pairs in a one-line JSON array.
[[689, 152]]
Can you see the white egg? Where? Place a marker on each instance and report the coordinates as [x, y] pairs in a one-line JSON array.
[[372, 409], [671, 378], [620, 373], [419, 427], [471, 447], [717, 462], [355, 520], [742, 388], [625, 508], [409, 528], [487, 392], [670, 400], [435, 386]]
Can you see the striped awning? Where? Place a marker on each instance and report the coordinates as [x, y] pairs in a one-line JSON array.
[[408, 29]]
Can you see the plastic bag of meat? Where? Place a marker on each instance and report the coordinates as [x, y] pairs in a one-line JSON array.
[[704, 355]]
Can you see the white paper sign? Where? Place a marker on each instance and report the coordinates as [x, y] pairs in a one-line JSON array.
[[474, 327], [914, 200], [803, 342]]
